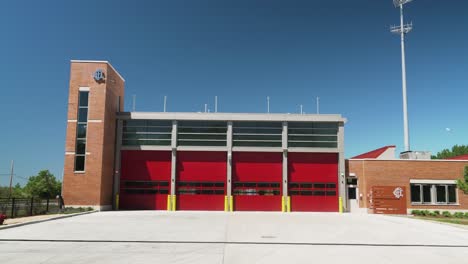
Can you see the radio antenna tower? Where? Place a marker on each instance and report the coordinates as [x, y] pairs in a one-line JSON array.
[[403, 29]]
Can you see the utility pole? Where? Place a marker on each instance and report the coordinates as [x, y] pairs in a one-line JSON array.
[[134, 101], [165, 100], [301, 110], [402, 30], [216, 104], [11, 177]]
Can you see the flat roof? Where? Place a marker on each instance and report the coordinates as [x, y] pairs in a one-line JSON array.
[[232, 116], [99, 61]]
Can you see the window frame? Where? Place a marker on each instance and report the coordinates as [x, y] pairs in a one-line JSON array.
[[433, 193]]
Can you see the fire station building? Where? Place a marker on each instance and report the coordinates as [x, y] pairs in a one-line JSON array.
[[195, 161], [234, 161]]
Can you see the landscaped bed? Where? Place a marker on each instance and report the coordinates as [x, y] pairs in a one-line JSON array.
[[446, 217]]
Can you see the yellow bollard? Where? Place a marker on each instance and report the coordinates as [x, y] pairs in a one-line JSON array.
[[117, 201], [340, 202], [283, 209], [226, 204], [169, 207], [231, 203], [174, 199], [288, 204]]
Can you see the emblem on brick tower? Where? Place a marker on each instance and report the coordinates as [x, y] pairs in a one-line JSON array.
[[99, 75], [398, 192]]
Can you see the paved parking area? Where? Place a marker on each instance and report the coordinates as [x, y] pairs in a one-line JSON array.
[[218, 237]]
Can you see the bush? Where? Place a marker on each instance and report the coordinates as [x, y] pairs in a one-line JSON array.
[[416, 212], [466, 215], [446, 214], [437, 213], [433, 214], [459, 215], [425, 213]]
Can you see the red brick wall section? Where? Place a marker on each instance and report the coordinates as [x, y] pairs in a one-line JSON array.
[[399, 172], [94, 186]]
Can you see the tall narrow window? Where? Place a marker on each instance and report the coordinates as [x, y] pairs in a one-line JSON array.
[[81, 131]]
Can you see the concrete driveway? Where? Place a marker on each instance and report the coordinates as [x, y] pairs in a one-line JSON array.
[[218, 237]]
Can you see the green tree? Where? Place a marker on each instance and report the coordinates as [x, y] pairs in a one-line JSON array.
[[17, 191], [463, 184], [43, 185], [456, 150]]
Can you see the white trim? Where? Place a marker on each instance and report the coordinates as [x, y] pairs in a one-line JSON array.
[[84, 89], [94, 121], [396, 160], [312, 150], [98, 61], [422, 181], [69, 153], [79, 172], [231, 116], [257, 149], [72, 120], [352, 174], [201, 148], [144, 147], [87, 153]]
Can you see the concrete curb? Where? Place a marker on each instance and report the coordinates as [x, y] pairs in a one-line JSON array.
[[45, 220]]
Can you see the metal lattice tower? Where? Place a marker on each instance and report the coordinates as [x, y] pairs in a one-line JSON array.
[[403, 29]]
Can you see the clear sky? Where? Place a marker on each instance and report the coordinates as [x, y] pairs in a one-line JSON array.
[[241, 51]]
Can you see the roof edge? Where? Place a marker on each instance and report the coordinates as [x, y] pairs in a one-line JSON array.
[[100, 61]]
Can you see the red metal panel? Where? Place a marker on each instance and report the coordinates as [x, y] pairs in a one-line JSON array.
[[145, 165], [204, 202], [306, 171], [201, 168], [257, 167], [257, 203], [145, 178]]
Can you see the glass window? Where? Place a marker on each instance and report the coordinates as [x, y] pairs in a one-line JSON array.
[[415, 193], [441, 193], [427, 194], [80, 146], [80, 163], [83, 100], [81, 133], [83, 115], [452, 193]]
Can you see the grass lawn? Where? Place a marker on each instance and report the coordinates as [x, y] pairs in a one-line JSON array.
[[458, 221]]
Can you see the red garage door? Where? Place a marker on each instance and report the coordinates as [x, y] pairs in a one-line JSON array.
[[201, 180], [313, 181], [144, 181], [257, 180]]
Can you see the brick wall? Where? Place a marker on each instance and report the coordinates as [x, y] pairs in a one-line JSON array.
[[399, 172], [94, 186]]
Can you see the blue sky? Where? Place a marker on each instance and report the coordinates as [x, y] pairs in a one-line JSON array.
[[241, 51]]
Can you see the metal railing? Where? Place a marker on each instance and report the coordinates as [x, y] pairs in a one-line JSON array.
[[20, 207]]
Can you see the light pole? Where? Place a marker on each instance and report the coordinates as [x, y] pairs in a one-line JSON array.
[[402, 30]]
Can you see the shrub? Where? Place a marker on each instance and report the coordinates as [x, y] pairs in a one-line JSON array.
[[432, 214], [437, 213], [459, 215], [416, 212], [425, 212], [446, 214]]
